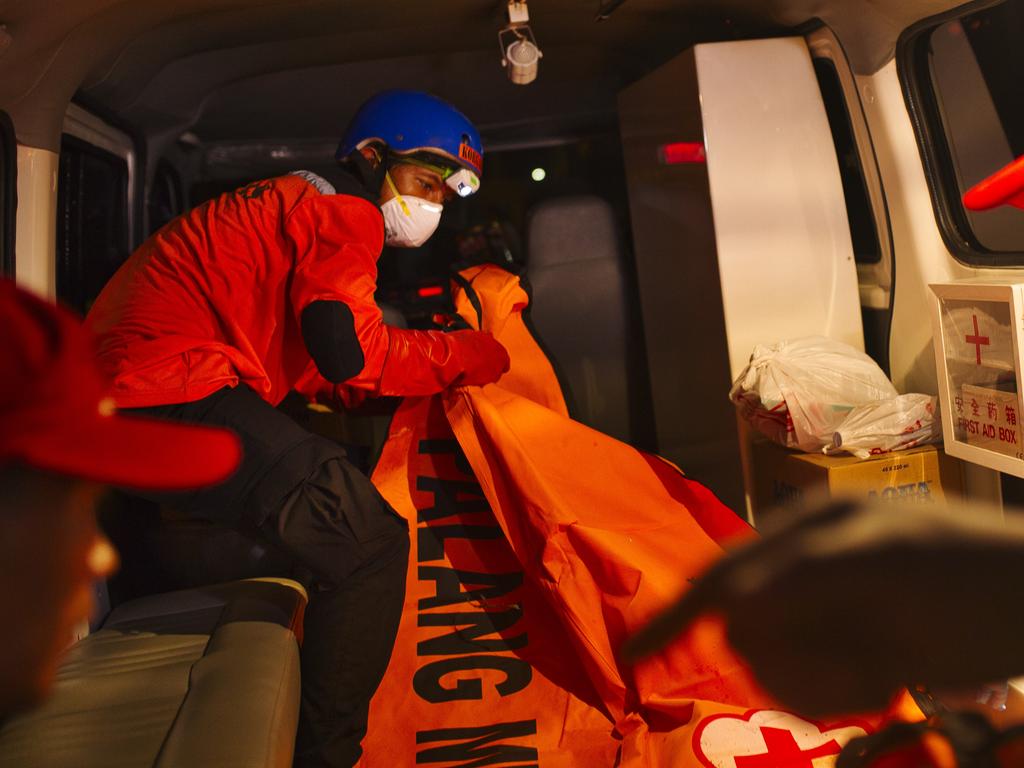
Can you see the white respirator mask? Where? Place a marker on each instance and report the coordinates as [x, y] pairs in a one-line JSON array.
[[409, 221]]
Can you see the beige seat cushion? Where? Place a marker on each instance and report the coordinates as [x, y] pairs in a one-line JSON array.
[[201, 677]]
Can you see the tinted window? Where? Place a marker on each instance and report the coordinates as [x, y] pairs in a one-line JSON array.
[[92, 221], [863, 231], [970, 70]]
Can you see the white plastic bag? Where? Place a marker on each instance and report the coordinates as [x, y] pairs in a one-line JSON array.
[[890, 425], [798, 392]]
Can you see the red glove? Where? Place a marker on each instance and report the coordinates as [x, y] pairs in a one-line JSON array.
[[483, 358]]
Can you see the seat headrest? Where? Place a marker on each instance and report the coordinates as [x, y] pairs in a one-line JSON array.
[[565, 230], [392, 315]]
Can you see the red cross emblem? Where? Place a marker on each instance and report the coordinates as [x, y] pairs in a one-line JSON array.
[[767, 739], [784, 751], [977, 339]]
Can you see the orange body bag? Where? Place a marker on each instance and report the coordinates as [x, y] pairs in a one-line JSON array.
[[538, 547]]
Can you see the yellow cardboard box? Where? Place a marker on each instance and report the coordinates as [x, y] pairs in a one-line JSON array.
[[785, 479]]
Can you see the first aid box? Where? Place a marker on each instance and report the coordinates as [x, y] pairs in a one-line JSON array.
[[976, 335]]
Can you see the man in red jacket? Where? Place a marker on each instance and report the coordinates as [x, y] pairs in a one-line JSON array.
[[227, 308]]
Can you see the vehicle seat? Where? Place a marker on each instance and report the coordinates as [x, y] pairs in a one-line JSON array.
[[579, 308], [392, 315], [200, 677]]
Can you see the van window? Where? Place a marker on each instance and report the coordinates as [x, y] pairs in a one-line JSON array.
[[8, 194], [92, 221], [969, 71], [863, 229]]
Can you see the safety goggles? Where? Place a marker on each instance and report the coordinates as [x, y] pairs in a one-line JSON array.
[[461, 180]]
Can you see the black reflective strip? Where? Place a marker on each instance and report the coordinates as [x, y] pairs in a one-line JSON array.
[[329, 330], [471, 295]]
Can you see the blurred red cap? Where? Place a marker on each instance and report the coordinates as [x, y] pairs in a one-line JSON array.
[[55, 413]]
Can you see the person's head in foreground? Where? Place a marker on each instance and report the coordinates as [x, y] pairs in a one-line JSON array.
[[419, 152], [838, 611], [60, 443]]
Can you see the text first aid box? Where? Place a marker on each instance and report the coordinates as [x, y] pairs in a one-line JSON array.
[[976, 329], [786, 479]]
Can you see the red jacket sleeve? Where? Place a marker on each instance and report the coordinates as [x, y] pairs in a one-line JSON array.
[[337, 241]]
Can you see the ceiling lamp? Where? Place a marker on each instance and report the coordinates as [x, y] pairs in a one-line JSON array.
[[519, 52]]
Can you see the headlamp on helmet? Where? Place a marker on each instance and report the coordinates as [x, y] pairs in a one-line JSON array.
[[464, 182], [461, 180]]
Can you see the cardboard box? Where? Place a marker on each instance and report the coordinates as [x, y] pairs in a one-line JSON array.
[[785, 479]]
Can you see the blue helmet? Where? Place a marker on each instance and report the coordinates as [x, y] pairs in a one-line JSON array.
[[411, 121]]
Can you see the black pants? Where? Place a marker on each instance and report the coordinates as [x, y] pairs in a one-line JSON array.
[[298, 492]]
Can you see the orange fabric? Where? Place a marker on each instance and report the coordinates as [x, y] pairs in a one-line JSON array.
[[602, 537], [214, 298], [474, 636], [489, 687]]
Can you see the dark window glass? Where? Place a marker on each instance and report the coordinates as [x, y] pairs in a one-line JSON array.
[[972, 79], [8, 194], [863, 230], [165, 197], [92, 221]]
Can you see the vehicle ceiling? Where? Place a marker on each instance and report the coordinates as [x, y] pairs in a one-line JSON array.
[[243, 70]]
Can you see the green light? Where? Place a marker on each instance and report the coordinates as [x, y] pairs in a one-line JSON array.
[[538, 174]]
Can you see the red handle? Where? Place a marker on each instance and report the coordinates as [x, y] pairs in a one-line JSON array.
[[1004, 187]]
